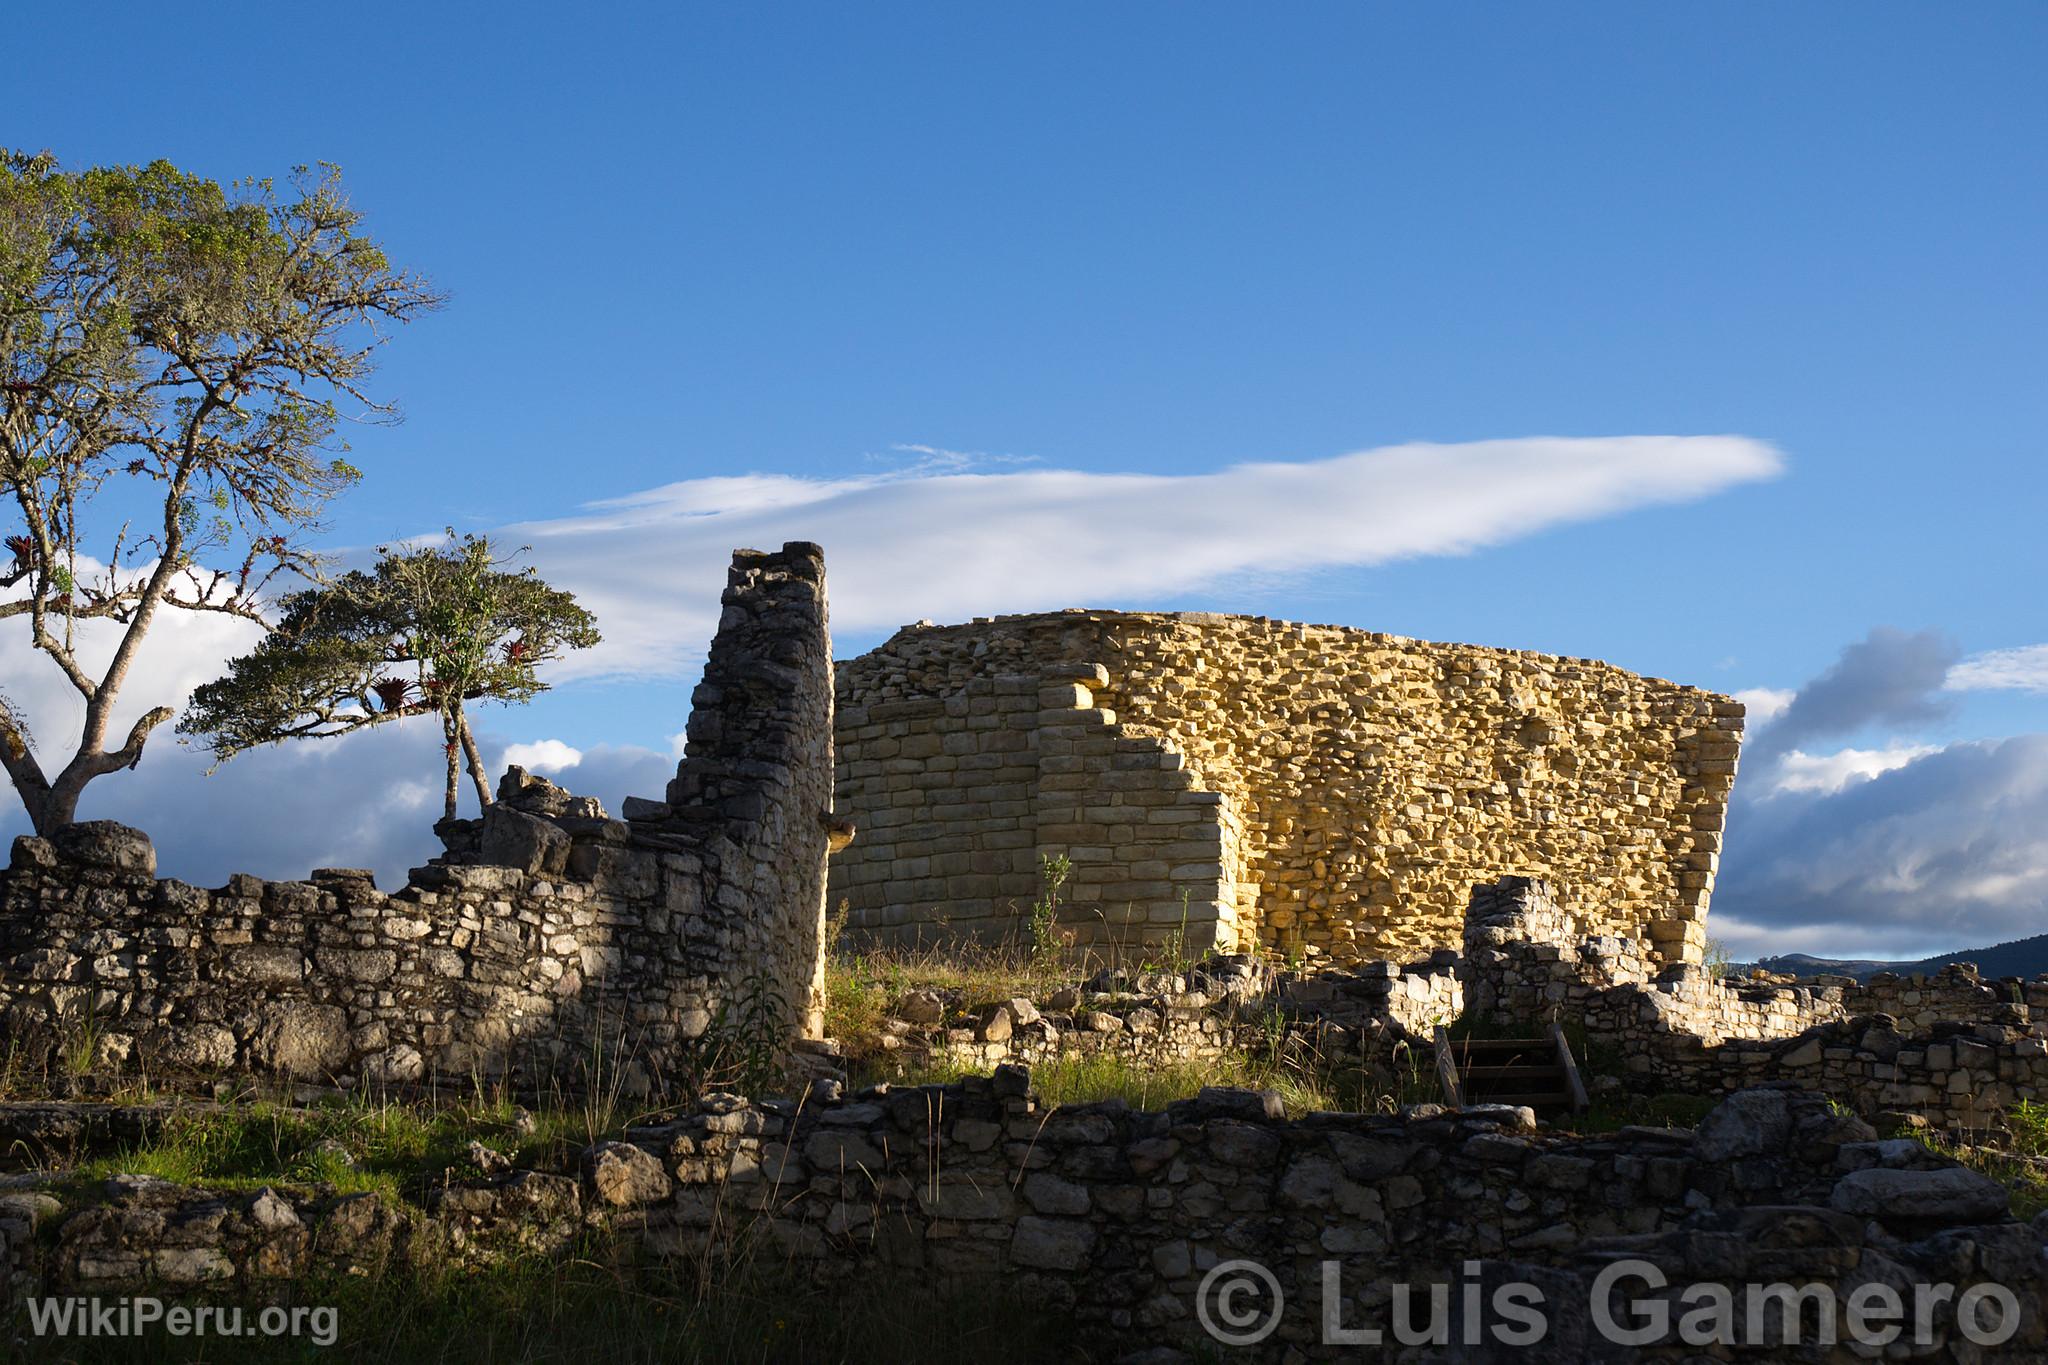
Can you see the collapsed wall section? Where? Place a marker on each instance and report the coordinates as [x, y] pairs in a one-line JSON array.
[[552, 945], [1949, 1049], [1352, 786]]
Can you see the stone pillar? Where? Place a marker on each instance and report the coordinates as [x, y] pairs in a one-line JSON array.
[[755, 782]]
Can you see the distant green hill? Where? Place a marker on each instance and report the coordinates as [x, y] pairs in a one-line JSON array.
[[2025, 957]]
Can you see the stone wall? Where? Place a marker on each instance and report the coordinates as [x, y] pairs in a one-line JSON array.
[[1312, 789], [550, 940], [1947, 1048], [1115, 1220], [1221, 1005]]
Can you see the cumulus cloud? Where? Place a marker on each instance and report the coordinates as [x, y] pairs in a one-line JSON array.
[[1764, 704], [1893, 851], [365, 800], [935, 542], [1946, 851], [610, 772], [1889, 678], [543, 755], [1798, 771], [2010, 670], [368, 800]]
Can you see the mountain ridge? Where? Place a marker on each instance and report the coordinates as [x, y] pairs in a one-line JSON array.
[[2022, 957]]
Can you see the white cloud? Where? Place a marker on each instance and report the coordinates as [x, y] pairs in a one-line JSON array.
[[1948, 851], [1888, 852], [1798, 771], [927, 540], [609, 772], [1765, 704], [1746, 941], [182, 650], [542, 756], [934, 542], [2024, 669]]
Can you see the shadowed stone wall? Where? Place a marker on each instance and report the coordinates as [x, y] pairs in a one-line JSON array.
[[1119, 1222], [552, 944]]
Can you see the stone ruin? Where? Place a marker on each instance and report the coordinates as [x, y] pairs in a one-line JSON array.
[[550, 939], [1222, 782], [1307, 788], [1118, 1222], [1306, 774], [1237, 783]]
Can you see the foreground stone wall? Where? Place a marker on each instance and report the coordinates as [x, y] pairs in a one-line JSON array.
[[1242, 781], [551, 942], [1115, 1219]]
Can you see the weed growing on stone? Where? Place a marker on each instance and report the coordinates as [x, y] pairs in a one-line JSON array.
[[861, 987], [742, 1048], [1148, 1082], [1053, 872], [2016, 1156]]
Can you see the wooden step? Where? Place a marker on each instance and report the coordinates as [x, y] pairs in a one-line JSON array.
[[1542, 1051], [1537, 1072], [1523, 1071]]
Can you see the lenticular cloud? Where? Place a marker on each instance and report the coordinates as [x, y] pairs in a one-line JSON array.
[[941, 543]]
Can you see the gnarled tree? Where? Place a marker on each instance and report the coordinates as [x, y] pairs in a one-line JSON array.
[[175, 357], [453, 616]]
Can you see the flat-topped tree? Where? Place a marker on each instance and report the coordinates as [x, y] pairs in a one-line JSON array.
[[453, 616], [175, 359]]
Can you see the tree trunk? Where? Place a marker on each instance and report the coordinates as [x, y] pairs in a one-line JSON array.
[[46, 813], [476, 761], [56, 810], [454, 785], [51, 805]]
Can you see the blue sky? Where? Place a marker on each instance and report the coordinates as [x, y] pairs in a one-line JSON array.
[[692, 242]]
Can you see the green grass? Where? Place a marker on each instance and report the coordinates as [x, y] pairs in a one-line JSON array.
[[1305, 1083], [1667, 1110], [862, 984], [539, 1311], [862, 987], [2019, 1160], [353, 1145]]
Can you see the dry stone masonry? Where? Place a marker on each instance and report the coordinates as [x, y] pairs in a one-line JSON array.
[[1426, 831], [1116, 1219], [1243, 782], [550, 934], [1948, 1050], [1220, 1006]]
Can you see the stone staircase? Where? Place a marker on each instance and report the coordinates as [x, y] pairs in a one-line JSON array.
[[1538, 1072]]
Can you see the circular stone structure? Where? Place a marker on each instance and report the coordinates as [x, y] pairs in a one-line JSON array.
[[1231, 781]]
